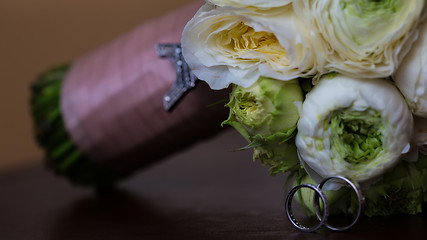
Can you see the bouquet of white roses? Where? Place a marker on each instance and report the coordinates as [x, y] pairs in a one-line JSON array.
[[341, 82]]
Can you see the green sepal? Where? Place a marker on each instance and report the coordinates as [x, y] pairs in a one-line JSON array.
[[266, 115]]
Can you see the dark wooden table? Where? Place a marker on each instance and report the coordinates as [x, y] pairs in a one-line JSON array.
[[207, 192]]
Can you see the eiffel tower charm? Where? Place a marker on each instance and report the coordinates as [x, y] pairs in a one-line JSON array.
[[185, 80]]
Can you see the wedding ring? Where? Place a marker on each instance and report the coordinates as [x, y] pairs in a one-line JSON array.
[[359, 195], [324, 214]]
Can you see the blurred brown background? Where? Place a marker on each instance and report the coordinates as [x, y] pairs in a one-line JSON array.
[[37, 34]]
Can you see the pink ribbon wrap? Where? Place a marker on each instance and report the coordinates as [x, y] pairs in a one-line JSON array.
[[112, 99]]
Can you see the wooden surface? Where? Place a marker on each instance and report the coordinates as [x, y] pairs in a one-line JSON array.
[[36, 35], [207, 192]]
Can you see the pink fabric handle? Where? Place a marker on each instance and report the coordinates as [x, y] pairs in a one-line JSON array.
[[112, 99]]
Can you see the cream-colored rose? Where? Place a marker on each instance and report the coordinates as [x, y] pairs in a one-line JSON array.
[[224, 45], [411, 76], [262, 4], [363, 37]]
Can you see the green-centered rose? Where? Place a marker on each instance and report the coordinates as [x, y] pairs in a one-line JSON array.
[[266, 114], [353, 127], [362, 37]]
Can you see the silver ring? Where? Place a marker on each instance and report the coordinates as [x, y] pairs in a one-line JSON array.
[[289, 213], [360, 198]]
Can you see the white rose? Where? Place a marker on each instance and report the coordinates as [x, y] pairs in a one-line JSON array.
[[224, 45], [363, 37], [357, 128], [411, 76]]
